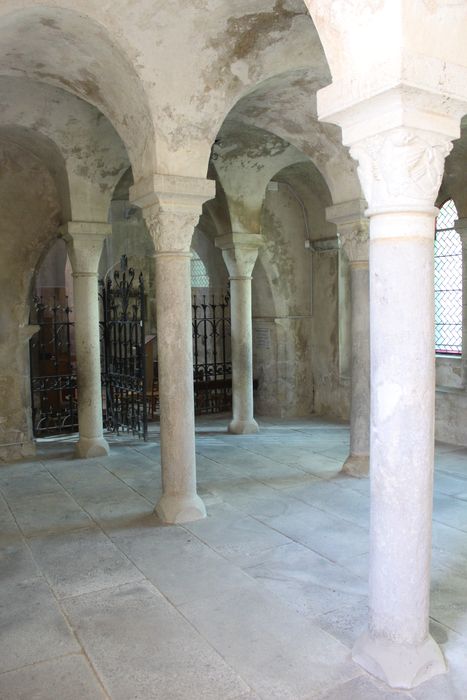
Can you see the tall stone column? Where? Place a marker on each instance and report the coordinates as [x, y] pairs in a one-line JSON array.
[[85, 241], [240, 251], [400, 139], [401, 171], [171, 207], [352, 228], [461, 228]]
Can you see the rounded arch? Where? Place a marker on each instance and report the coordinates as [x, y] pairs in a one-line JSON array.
[[72, 51], [284, 106]]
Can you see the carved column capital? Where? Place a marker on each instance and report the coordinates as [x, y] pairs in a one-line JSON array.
[[401, 169], [240, 251], [354, 242], [400, 135], [352, 229], [171, 208], [84, 241]]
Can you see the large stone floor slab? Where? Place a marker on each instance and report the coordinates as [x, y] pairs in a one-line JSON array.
[[263, 599]]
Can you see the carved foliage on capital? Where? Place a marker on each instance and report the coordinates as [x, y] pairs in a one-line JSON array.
[[171, 227], [354, 242], [401, 167]]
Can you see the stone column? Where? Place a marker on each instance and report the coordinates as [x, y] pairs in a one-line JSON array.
[[461, 227], [400, 139], [171, 207], [401, 172], [240, 251], [85, 241], [352, 228]]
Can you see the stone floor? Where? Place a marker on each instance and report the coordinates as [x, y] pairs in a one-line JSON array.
[[263, 599]]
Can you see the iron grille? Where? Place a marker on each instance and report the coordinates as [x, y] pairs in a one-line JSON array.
[[53, 371], [212, 365], [448, 283]]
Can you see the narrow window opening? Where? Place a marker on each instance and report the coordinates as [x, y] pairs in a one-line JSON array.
[[448, 283]]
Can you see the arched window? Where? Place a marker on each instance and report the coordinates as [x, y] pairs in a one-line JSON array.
[[448, 282], [199, 274]]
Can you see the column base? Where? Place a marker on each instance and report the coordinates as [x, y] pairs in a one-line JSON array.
[[357, 465], [87, 448], [180, 509], [243, 427], [399, 665]]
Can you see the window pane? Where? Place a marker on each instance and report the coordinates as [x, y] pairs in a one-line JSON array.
[[448, 283]]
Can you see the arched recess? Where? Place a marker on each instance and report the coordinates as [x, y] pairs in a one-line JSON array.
[[71, 51], [32, 197], [295, 298]]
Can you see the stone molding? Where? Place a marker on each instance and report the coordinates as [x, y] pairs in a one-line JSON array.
[[84, 241], [240, 252], [171, 207]]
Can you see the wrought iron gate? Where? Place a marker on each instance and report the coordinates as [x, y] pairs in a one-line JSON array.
[[53, 370], [125, 394], [123, 351], [212, 365]]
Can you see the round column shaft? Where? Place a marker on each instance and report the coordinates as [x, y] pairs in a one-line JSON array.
[[353, 236], [397, 644], [179, 502], [85, 241], [91, 441], [357, 463], [243, 420], [240, 251]]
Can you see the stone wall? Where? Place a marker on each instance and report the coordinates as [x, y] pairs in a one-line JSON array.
[[30, 210]]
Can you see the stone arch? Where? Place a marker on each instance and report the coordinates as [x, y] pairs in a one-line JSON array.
[[284, 107], [74, 52]]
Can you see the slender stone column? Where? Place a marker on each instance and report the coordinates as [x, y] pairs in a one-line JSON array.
[[461, 228], [400, 139], [353, 235], [240, 251], [85, 241], [171, 207]]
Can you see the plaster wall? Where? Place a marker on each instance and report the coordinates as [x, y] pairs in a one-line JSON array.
[[281, 310], [30, 217], [451, 401], [331, 390]]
